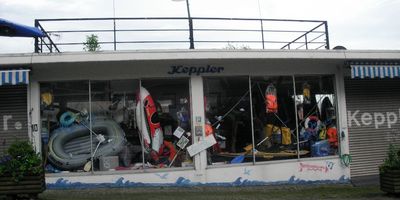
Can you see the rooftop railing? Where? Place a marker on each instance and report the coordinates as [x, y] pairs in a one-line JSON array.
[[173, 33]]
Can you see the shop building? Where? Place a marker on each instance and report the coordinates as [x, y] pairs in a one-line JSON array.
[[218, 99]]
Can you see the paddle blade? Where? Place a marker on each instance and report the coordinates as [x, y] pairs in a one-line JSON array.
[[237, 159]]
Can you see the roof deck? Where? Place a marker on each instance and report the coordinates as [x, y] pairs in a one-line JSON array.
[[69, 35]]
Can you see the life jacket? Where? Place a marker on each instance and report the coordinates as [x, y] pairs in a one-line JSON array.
[[332, 137], [271, 100], [322, 134], [210, 131], [306, 93], [286, 136]]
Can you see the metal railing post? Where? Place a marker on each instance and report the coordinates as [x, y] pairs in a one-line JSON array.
[[115, 36], [305, 39], [326, 35], [262, 33], [36, 38], [191, 39]]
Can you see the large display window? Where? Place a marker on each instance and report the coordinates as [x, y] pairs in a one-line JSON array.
[[317, 120], [170, 128], [274, 118], [228, 118], [270, 118], [115, 125], [65, 110], [144, 124]]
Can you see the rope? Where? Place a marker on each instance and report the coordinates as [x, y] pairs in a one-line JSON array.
[[345, 159], [234, 106]]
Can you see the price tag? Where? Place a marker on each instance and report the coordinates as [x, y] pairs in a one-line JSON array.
[[179, 132], [182, 142]]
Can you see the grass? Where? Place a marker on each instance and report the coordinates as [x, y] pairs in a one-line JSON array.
[[221, 193]]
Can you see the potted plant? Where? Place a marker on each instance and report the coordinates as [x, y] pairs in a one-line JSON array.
[[21, 171], [389, 171]]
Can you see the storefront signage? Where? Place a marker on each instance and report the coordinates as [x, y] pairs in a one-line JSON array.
[[201, 145], [5, 124], [378, 119], [186, 70]]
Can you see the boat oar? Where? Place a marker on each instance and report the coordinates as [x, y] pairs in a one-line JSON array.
[[248, 149], [240, 158]]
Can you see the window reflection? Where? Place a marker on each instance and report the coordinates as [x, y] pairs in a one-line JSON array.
[[274, 118], [316, 110], [227, 108]]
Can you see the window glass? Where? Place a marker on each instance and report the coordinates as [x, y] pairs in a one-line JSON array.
[[165, 122], [115, 135], [316, 110], [274, 118], [64, 116], [228, 118]]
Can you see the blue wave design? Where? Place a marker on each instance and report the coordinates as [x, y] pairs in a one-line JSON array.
[[62, 183]]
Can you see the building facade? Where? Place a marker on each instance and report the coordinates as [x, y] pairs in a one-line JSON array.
[[203, 117]]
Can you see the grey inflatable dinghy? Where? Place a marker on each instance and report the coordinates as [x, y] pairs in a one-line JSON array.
[[69, 148]]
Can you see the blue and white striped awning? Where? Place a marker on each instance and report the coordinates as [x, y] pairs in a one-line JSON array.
[[375, 71], [14, 77]]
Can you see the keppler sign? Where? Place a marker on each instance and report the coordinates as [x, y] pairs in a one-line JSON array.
[[187, 70]]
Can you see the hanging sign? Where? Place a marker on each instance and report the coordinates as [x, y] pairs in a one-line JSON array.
[[201, 145]]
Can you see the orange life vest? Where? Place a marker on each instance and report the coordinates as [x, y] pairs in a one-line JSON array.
[[331, 133], [271, 101], [272, 104]]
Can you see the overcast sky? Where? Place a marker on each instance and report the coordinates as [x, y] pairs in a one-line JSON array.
[[355, 24]]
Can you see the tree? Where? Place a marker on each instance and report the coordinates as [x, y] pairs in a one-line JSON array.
[[92, 43]]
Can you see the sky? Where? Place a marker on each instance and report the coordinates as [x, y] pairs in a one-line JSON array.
[[354, 24]]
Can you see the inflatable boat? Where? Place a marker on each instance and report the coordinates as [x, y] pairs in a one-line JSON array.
[[148, 122], [69, 147]]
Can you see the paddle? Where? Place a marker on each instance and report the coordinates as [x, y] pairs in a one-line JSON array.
[[240, 158], [248, 149]]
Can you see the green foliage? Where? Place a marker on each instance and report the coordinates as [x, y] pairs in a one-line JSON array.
[[392, 162], [21, 160], [230, 46], [92, 43]]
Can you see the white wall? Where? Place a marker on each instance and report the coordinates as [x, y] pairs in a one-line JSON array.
[[321, 170]]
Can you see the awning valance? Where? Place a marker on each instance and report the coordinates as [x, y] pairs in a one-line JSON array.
[[14, 77], [375, 71]]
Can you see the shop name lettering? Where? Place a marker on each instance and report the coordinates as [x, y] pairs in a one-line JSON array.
[[6, 118], [378, 119], [320, 168], [179, 69], [6, 125]]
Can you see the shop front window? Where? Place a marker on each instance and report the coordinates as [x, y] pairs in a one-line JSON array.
[[228, 118], [64, 113], [116, 143], [115, 125], [316, 111], [166, 108], [292, 117], [274, 118]]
